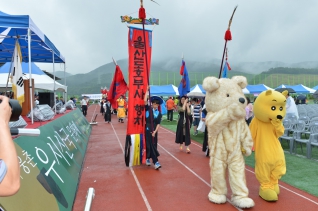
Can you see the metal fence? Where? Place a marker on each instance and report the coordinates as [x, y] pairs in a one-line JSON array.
[[271, 80]]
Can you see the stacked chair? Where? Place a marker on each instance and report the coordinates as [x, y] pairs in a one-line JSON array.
[[302, 131]]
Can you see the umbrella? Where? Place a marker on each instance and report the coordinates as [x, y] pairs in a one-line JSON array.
[[315, 95], [290, 90], [301, 97]]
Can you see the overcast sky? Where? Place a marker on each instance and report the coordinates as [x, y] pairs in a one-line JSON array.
[[89, 32]]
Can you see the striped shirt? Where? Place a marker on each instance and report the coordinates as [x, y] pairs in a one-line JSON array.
[[196, 111]]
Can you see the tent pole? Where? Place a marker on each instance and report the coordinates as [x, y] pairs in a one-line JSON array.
[[65, 91], [54, 83], [30, 73]]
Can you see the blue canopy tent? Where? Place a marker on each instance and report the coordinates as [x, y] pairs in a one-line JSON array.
[[315, 88], [164, 90], [35, 45], [14, 27], [299, 88], [256, 89]]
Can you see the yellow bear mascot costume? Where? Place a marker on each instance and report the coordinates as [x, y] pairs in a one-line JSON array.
[[266, 127]]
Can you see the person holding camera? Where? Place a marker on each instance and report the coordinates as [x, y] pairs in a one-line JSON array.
[[9, 163], [183, 126]]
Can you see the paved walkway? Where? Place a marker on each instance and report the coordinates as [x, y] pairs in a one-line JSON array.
[[182, 183]]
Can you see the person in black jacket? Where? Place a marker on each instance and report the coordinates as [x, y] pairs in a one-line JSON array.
[[107, 109], [183, 126], [102, 109], [153, 120], [205, 145]]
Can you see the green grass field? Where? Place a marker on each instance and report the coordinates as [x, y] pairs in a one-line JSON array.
[[302, 173]]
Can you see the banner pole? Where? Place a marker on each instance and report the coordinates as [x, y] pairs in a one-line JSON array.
[[30, 73]]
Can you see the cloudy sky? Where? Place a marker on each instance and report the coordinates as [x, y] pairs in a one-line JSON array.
[[89, 32]]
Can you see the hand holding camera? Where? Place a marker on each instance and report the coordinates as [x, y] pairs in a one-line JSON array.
[[7, 104], [11, 177], [5, 109]]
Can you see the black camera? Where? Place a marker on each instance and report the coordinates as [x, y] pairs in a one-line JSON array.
[[16, 110]]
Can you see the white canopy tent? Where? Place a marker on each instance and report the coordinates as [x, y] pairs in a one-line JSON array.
[[41, 80], [198, 91]]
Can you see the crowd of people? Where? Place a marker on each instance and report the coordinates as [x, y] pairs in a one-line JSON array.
[[191, 116], [8, 94]]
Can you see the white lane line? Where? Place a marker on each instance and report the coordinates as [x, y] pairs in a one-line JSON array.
[[195, 174], [289, 190], [254, 174], [185, 166], [134, 175]]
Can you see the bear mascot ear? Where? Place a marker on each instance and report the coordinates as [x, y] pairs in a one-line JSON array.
[[210, 84], [268, 92], [240, 80], [285, 93]]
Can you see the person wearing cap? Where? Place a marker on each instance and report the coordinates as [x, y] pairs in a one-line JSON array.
[[170, 107], [153, 120], [84, 103]]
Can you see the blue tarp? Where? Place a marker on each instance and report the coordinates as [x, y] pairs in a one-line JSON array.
[[255, 89], [25, 68], [299, 88], [16, 26], [164, 90]]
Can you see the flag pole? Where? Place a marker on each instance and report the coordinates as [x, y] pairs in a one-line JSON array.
[[54, 82], [142, 16], [9, 74], [65, 91], [30, 73], [114, 61], [227, 37]]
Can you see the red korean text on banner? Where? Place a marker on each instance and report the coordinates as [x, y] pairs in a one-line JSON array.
[[138, 81]]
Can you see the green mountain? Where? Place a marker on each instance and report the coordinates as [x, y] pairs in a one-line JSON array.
[[162, 72], [60, 74], [286, 75], [166, 71]]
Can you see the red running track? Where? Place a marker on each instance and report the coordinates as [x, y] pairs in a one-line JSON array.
[[183, 182]]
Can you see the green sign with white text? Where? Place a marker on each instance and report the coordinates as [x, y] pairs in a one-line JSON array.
[[50, 165]]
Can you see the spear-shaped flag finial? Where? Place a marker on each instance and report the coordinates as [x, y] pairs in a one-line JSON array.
[[142, 11], [115, 63], [227, 37]]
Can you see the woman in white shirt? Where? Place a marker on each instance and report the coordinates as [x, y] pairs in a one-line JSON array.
[[84, 105]]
